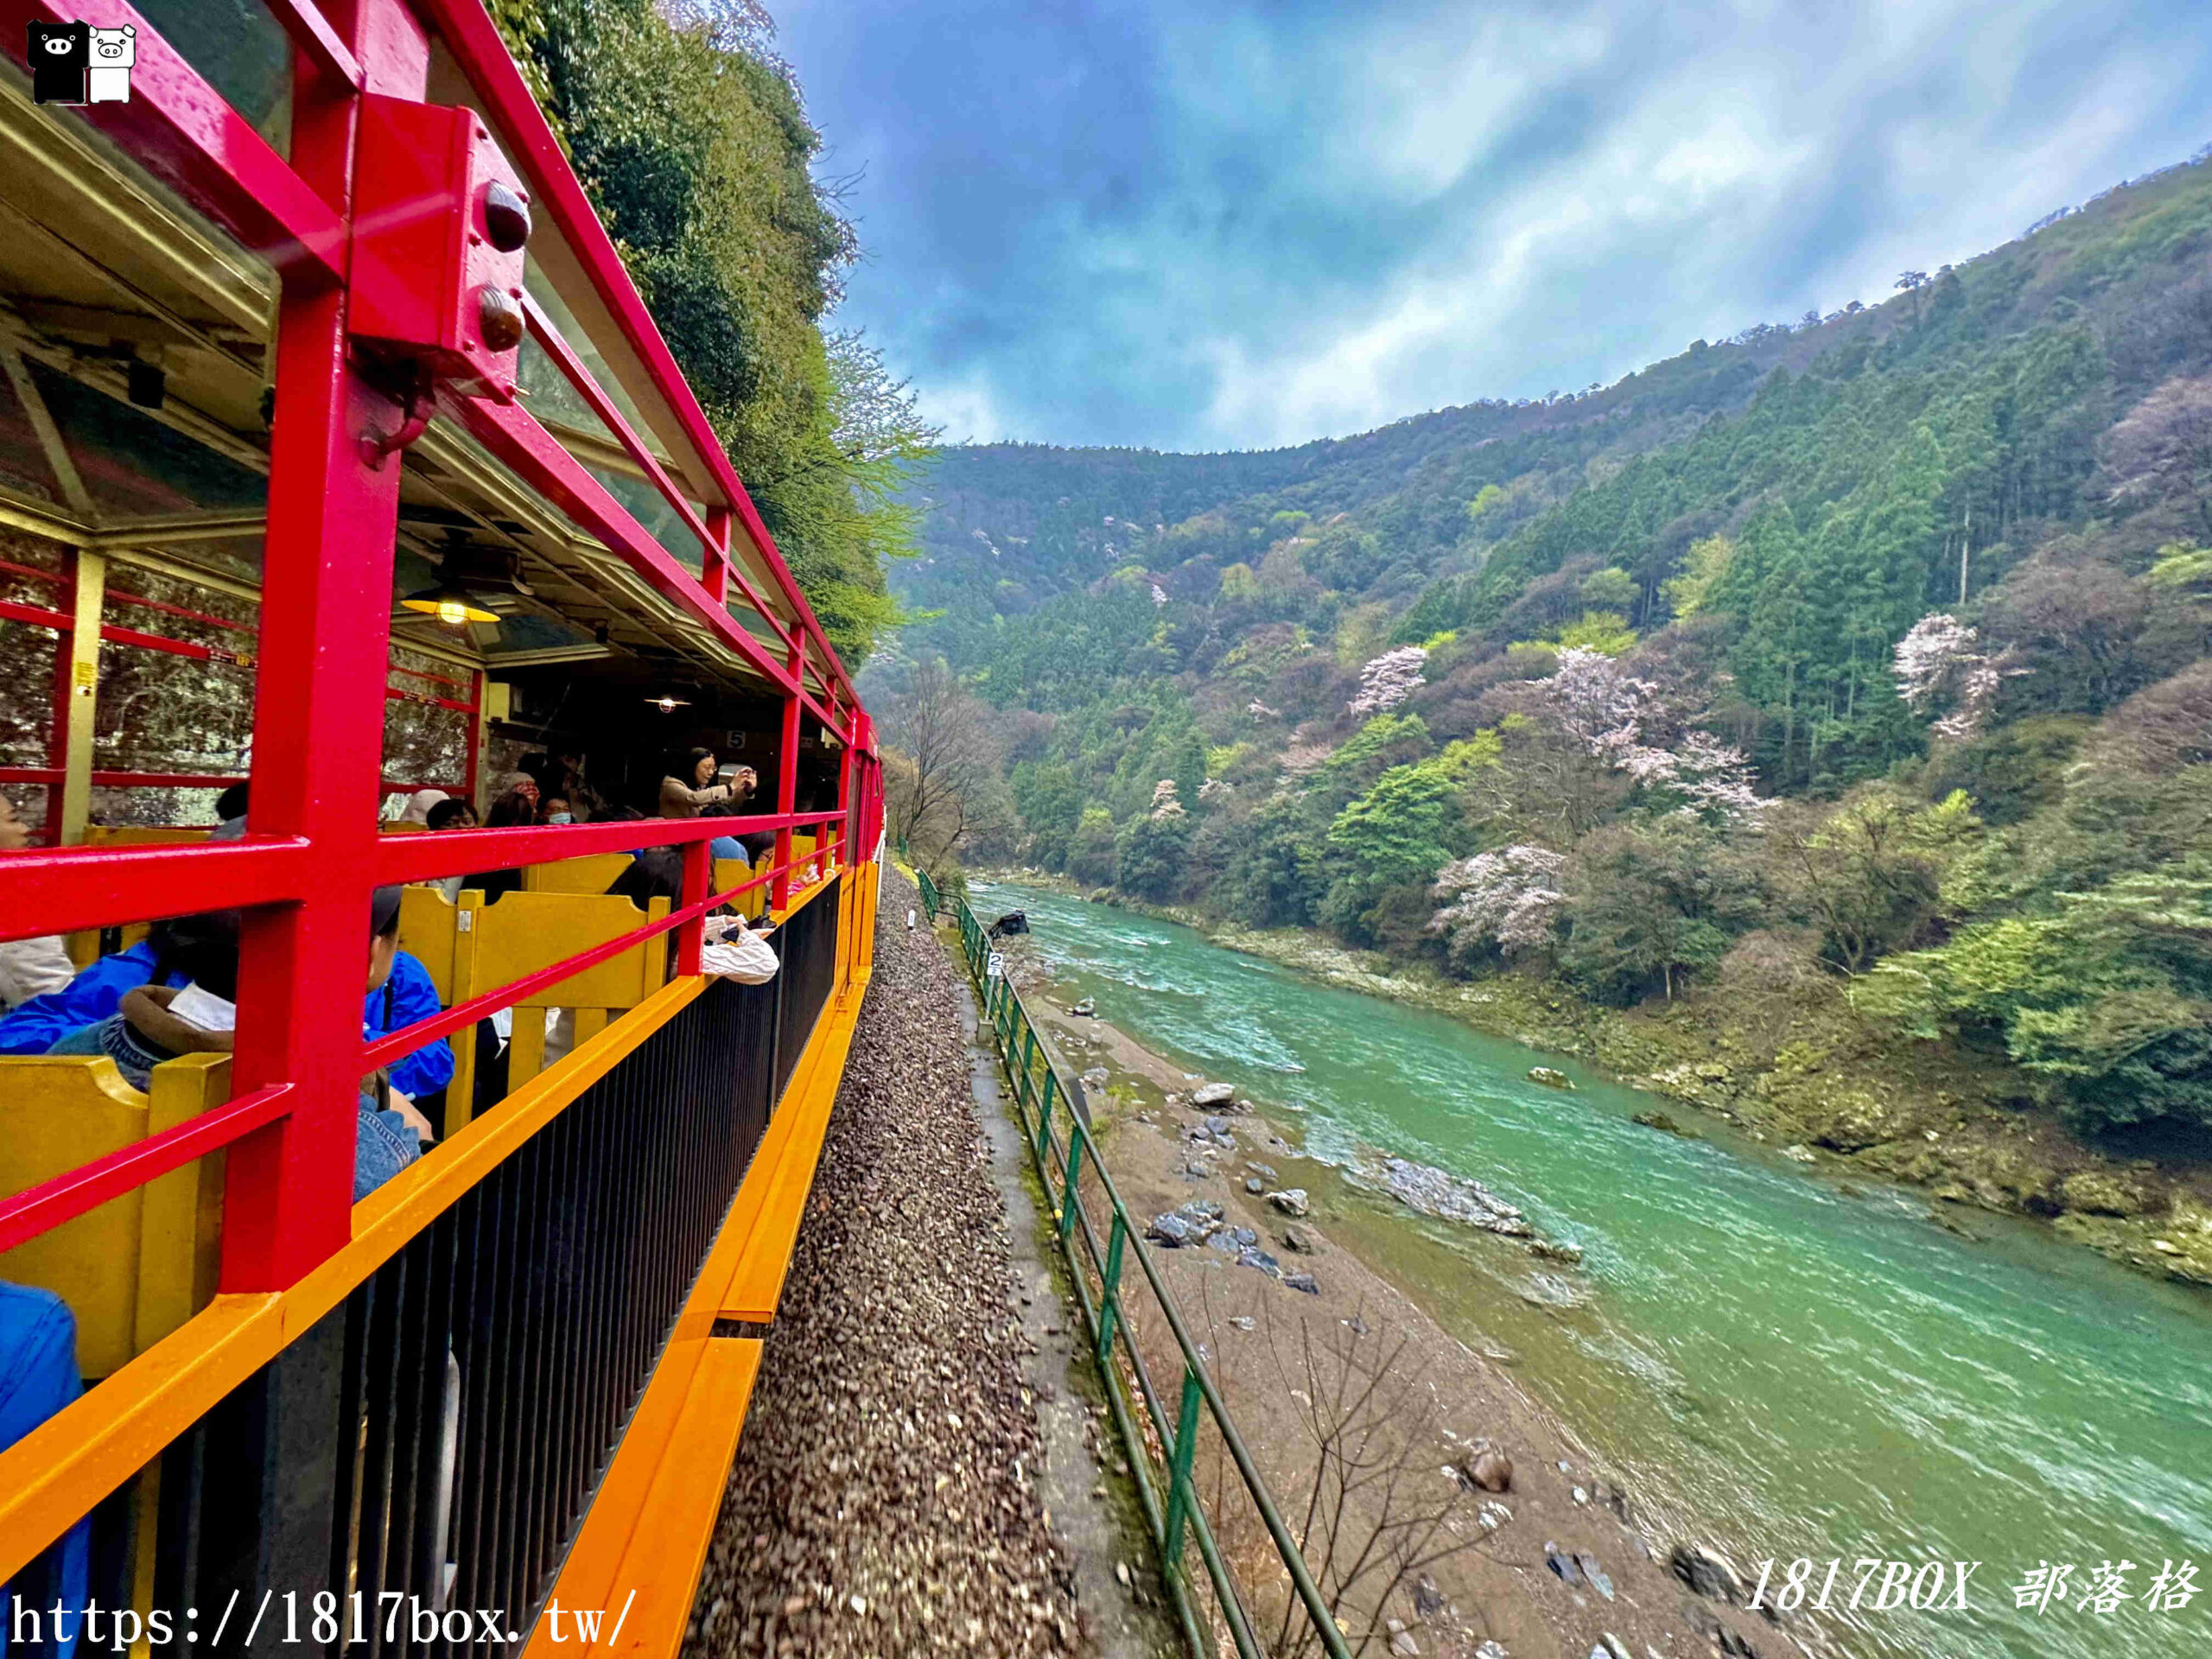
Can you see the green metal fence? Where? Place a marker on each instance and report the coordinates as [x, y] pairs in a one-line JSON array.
[[1059, 1140]]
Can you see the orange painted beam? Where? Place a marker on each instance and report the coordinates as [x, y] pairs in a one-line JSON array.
[[636, 1560], [65, 1466]]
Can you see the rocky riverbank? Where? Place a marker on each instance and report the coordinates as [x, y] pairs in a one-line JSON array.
[[1539, 1551], [1808, 1077]]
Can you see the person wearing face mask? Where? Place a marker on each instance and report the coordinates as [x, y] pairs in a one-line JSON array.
[[29, 968], [557, 810]]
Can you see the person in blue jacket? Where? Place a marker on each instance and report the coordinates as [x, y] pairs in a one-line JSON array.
[[405, 997], [38, 1377]]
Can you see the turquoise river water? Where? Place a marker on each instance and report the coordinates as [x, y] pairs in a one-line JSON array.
[[1807, 1372]]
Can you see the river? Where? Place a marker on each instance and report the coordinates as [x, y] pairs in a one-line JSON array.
[[1809, 1371]]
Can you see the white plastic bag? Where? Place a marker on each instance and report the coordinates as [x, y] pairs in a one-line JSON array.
[[735, 952]]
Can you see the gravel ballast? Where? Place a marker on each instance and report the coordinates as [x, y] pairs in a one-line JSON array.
[[884, 1498]]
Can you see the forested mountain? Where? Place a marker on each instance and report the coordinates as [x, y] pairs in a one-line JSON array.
[[1862, 658]]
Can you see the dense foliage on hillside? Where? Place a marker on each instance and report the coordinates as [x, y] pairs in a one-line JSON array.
[[691, 137], [1864, 658]]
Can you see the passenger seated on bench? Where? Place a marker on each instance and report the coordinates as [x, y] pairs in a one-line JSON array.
[[160, 960], [230, 813], [38, 1377], [29, 968], [390, 1133], [193, 1013], [154, 1023]]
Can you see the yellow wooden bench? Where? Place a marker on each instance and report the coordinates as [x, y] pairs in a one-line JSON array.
[[729, 873], [138, 1267], [593, 874], [495, 944], [427, 931]]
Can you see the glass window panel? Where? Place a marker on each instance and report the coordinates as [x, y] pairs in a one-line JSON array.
[[23, 469], [242, 50], [132, 463], [161, 713], [27, 661]]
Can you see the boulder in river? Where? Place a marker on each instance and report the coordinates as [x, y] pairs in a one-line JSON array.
[[1705, 1571], [1254, 1185], [1550, 1076], [1300, 1241], [1451, 1198], [1213, 1094], [1662, 1123], [1490, 1469], [1086, 1009], [1291, 1201], [1548, 1250]]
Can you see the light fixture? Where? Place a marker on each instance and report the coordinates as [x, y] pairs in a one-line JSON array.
[[451, 603], [668, 705]]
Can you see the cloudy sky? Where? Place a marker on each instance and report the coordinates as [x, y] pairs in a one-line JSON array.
[[1204, 224]]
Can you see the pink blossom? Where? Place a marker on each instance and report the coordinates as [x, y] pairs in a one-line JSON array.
[[1936, 662], [1387, 681], [1506, 899]]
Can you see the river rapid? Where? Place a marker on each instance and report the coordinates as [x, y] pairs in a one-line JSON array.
[[1807, 1369]]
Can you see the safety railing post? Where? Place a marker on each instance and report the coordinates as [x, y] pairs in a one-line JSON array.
[[1180, 1457], [1109, 1288], [1070, 1193], [1044, 1122]]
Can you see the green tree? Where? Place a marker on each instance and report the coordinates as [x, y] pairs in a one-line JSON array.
[[1050, 802], [1156, 856], [1403, 828], [1703, 566], [1647, 902], [2107, 997], [1092, 858]]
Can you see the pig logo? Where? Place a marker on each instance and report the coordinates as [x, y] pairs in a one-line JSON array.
[[61, 55], [114, 51]]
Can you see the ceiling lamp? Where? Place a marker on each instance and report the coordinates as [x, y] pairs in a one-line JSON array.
[[668, 705], [451, 603]]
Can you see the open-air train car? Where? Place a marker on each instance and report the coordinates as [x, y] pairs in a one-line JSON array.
[[339, 454]]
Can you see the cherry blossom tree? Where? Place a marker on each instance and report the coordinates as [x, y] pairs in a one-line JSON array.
[[1624, 721], [1508, 898], [1166, 803], [1387, 681], [1936, 662]]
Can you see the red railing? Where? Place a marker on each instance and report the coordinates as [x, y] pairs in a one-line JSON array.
[[304, 875]]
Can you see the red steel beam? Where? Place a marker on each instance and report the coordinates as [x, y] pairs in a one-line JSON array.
[[515, 438], [177, 125], [312, 33], [53, 890], [325, 606], [78, 1191], [474, 40]]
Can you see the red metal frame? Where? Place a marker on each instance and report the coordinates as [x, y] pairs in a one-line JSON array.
[[469, 31], [178, 125], [303, 874]]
